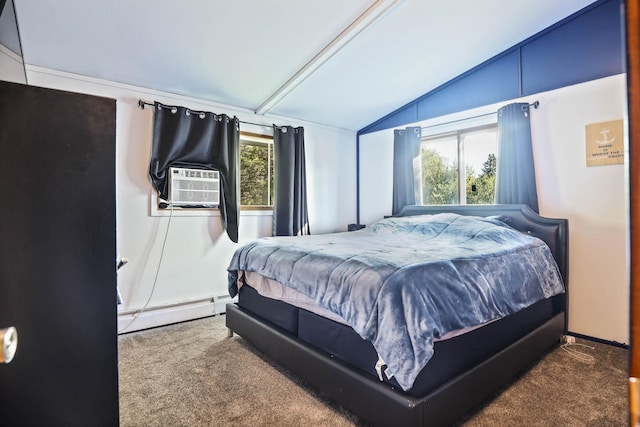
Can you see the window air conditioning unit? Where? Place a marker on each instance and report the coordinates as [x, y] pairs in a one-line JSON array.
[[194, 188]]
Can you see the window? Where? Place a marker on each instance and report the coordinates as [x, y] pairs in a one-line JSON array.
[[444, 181], [256, 171], [256, 180]]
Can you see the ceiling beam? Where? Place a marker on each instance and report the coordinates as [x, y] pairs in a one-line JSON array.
[[374, 13]]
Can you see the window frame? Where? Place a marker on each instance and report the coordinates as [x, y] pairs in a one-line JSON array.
[[460, 132], [258, 139], [245, 210]]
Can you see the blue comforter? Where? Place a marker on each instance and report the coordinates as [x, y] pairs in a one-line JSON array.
[[402, 282]]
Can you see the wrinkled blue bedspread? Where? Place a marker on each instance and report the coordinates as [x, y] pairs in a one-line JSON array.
[[402, 282]]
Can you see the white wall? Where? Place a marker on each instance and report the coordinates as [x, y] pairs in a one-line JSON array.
[[593, 199], [11, 67], [198, 250]]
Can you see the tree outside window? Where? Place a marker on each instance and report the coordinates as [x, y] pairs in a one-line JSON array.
[[256, 171], [442, 176]]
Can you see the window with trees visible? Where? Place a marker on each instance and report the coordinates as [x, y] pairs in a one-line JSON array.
[[460, 167], [256, 171]]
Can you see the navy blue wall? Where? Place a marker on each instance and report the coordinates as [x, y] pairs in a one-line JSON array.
[[585, 46]]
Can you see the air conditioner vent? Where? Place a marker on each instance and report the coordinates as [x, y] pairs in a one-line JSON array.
[[194, 187]]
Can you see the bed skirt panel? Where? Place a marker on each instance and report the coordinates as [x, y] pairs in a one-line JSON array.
[[379, 403], [277, 312], [451, 356]]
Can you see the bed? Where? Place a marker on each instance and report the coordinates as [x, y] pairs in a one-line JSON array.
[[349, 341]]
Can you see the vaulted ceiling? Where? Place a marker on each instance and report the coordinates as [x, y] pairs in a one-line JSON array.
[[334, 62]]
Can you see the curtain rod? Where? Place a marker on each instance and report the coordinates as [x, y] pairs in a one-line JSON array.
[[142, 104], [534, 104]]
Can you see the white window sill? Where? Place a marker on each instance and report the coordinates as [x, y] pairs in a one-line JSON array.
[[200, 212]]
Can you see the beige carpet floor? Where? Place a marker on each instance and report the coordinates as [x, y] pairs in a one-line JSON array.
[[191, 374]]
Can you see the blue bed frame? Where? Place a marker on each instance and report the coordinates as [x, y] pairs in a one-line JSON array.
[[378, 403]]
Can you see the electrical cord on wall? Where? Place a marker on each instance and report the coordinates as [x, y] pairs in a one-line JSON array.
[[155, 280]]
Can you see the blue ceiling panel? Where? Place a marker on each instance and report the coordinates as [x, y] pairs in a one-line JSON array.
[[586, 48], [492, 82], [402, 116]]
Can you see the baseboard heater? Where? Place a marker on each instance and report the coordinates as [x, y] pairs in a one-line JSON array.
[[167, 314]]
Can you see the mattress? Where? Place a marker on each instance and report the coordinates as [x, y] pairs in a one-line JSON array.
[[274, 290], [452, 356]]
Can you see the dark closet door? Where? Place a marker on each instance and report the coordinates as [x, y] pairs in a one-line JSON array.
[[57, 257]]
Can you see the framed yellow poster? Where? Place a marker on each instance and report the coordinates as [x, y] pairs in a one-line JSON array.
[[605, 143]]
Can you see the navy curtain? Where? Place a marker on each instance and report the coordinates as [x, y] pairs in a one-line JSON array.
[[200, 140], [290, 214], [406, 150], [516, 177]]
